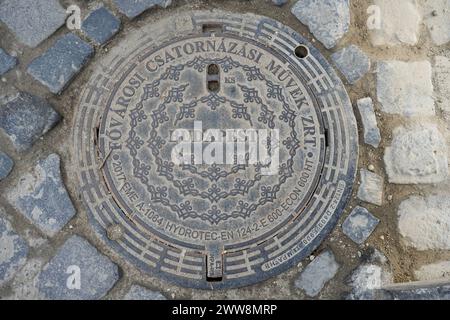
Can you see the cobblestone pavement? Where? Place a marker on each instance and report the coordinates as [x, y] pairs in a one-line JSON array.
[[393, 239]]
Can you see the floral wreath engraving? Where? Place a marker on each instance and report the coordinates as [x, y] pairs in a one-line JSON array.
[[187, 187]]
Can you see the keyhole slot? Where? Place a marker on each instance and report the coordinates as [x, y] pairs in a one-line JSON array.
[[212, 28], [213, 78]]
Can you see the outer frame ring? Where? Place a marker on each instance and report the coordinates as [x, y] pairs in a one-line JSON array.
[[340, 163]]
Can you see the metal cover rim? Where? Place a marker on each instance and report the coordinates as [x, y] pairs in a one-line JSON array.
[[331, 189]]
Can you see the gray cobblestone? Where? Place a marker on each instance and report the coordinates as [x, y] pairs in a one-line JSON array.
[[432, 215], [137, 292], [7, 62], [328, 20], [418, 154], [399, 23], [6, 165], [133, 8], [359, 225], [405, 88], [352, 62], [23, 287], [100, 25], [316, 274], [13, 250], [374, 273], [372, 134], [59, 64], [442, 79], [279, 2], [32, 21], [437, 19], [371, 188], [42, 197], [59, 278], [434, 271], [416, 291], [25, 118]]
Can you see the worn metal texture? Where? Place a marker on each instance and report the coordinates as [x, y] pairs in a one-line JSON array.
[[214, 226]]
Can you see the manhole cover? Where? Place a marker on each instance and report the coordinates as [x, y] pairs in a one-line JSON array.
[[214, 149]]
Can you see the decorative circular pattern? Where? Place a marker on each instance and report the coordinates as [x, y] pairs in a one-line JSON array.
[[208, 224]]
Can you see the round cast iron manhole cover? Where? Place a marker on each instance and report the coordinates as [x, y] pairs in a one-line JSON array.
[[219, 216]]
